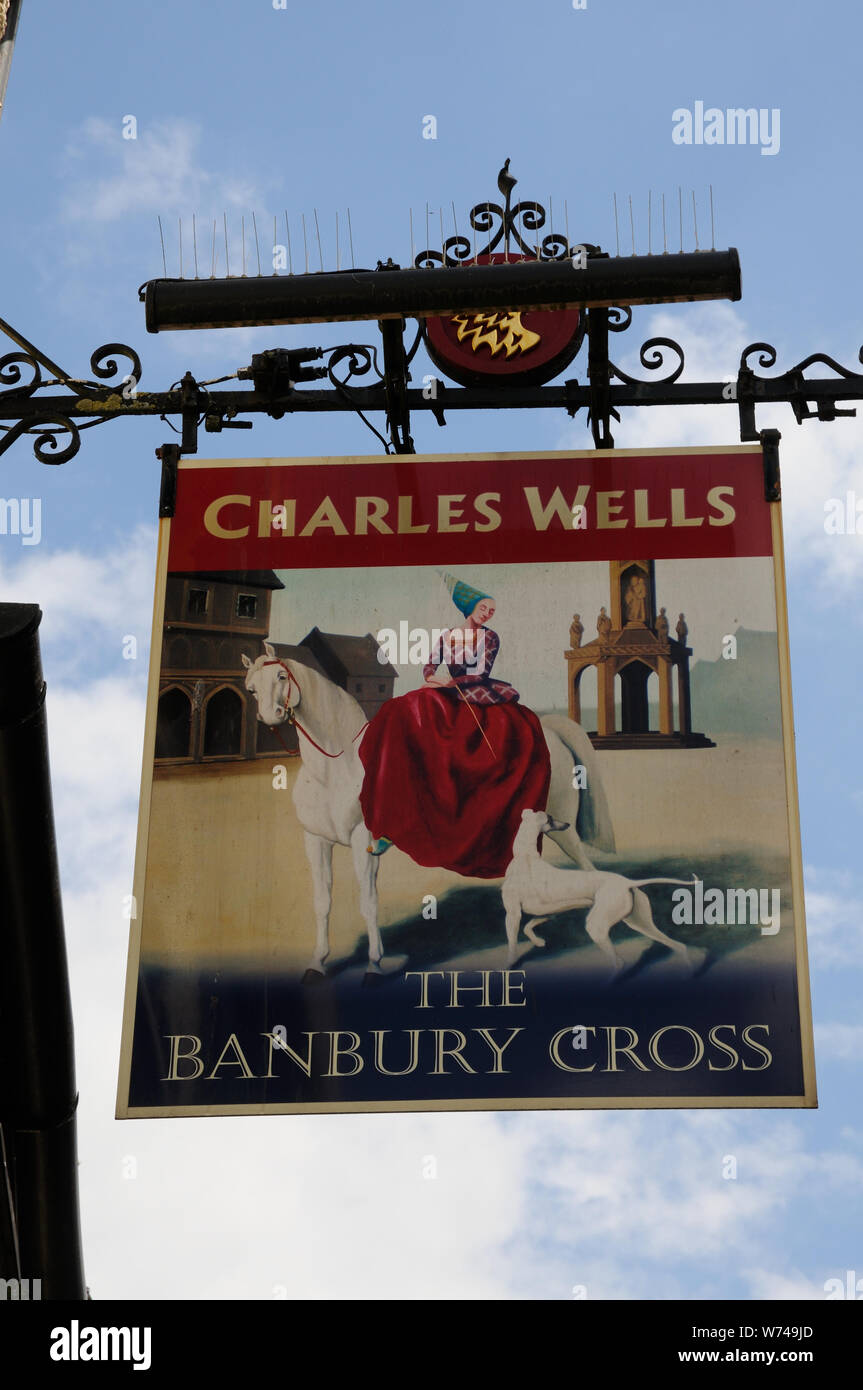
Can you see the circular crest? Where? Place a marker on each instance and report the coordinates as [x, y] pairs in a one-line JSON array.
[[503, 347]]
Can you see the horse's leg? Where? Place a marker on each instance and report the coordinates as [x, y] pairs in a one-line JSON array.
[[320, 855], [512, 908], [366, 869]]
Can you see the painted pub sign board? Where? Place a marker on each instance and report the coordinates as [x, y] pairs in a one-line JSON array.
[[469, 784]]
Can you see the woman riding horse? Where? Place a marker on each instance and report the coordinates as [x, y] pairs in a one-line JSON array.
[[450, 767]]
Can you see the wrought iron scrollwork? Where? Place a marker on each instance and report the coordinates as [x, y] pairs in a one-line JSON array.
[[105, 370], [619, 318], [652, 357], [514, 226], [46, 446], [767, 358], [360, 357], [10, 372]]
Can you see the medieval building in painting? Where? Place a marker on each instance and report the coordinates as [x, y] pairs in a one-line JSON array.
[[631, 644], [205, 712], [353, 663]]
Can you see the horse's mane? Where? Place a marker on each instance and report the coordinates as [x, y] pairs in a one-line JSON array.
[[334, 708]]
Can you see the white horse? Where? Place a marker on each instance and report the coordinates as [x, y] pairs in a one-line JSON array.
[[327, 791]]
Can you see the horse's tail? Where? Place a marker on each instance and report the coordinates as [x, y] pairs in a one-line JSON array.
[[593, 819]]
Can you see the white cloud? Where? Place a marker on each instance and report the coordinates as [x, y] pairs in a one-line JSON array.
[[834, 919], [839, 1040], [770, 1284], [87, 597], [159, 172]]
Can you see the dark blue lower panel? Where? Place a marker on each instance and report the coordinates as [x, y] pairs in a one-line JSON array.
[[200, 1039]]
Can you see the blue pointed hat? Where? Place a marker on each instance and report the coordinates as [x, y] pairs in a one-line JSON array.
[[464, 596]]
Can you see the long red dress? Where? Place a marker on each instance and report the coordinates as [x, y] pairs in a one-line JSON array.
[[448, 771]]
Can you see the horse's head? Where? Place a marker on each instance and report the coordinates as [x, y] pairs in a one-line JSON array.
[[274, 686]]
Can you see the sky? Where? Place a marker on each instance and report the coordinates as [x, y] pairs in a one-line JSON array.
[[241, 108]]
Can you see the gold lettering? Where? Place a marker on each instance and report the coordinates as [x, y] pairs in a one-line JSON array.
[[455, 988], [326, 515], [455, 1052], [239, 1059], [351, 1052], [304, 1063], [379, 1034], [211, 517], [483, 505], [542, 513], [506, 1001], [678, 509], [370, 511], [605, 508], [725, 1047], [446, 511], [406, 526], [554, 1050], [485, 1033], [642, 499], [423, 976], [283, 520], [177, 1057], [716, 498], [653, 1047], [626, 1050], [759, 1047]]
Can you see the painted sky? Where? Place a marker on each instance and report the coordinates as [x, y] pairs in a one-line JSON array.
[[242, 108]]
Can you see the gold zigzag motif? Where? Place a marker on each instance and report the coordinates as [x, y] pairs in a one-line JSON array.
[[496, 331]]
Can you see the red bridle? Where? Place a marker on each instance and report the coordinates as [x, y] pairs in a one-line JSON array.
[[292, 718]]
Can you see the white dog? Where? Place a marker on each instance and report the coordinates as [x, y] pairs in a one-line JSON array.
[[531, 885]]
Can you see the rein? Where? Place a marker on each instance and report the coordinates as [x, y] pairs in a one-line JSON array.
[[292, 718]]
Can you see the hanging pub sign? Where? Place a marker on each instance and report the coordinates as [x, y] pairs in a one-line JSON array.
[[504, 347], [469, 784]]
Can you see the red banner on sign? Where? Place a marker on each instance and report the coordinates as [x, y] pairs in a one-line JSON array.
[[494, 508]]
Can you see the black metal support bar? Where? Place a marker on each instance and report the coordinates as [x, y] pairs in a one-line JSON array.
[[348, 296], [395, 385], [38, 1098], [769, 440], [598, 370], [170, 457]]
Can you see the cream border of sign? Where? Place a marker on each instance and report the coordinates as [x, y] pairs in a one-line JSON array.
[[806, 1100]]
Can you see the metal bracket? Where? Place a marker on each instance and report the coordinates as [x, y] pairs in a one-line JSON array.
[[170, 456], [396, 378], [599, 374], [769, 440]]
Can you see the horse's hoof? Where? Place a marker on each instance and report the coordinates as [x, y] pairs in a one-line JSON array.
[[313, 976], [373, 977]]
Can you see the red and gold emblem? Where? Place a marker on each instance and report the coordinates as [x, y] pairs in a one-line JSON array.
[[505, 346]]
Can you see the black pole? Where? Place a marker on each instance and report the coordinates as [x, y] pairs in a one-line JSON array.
[[352, 295], [38, 1098]]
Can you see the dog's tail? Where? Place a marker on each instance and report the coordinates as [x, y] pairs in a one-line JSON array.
[[684, 882]]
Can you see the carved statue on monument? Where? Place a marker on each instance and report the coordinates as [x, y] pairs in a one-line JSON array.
[[682, 630], [603, 625], [662, 626], [635, 600], [576, 630]]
